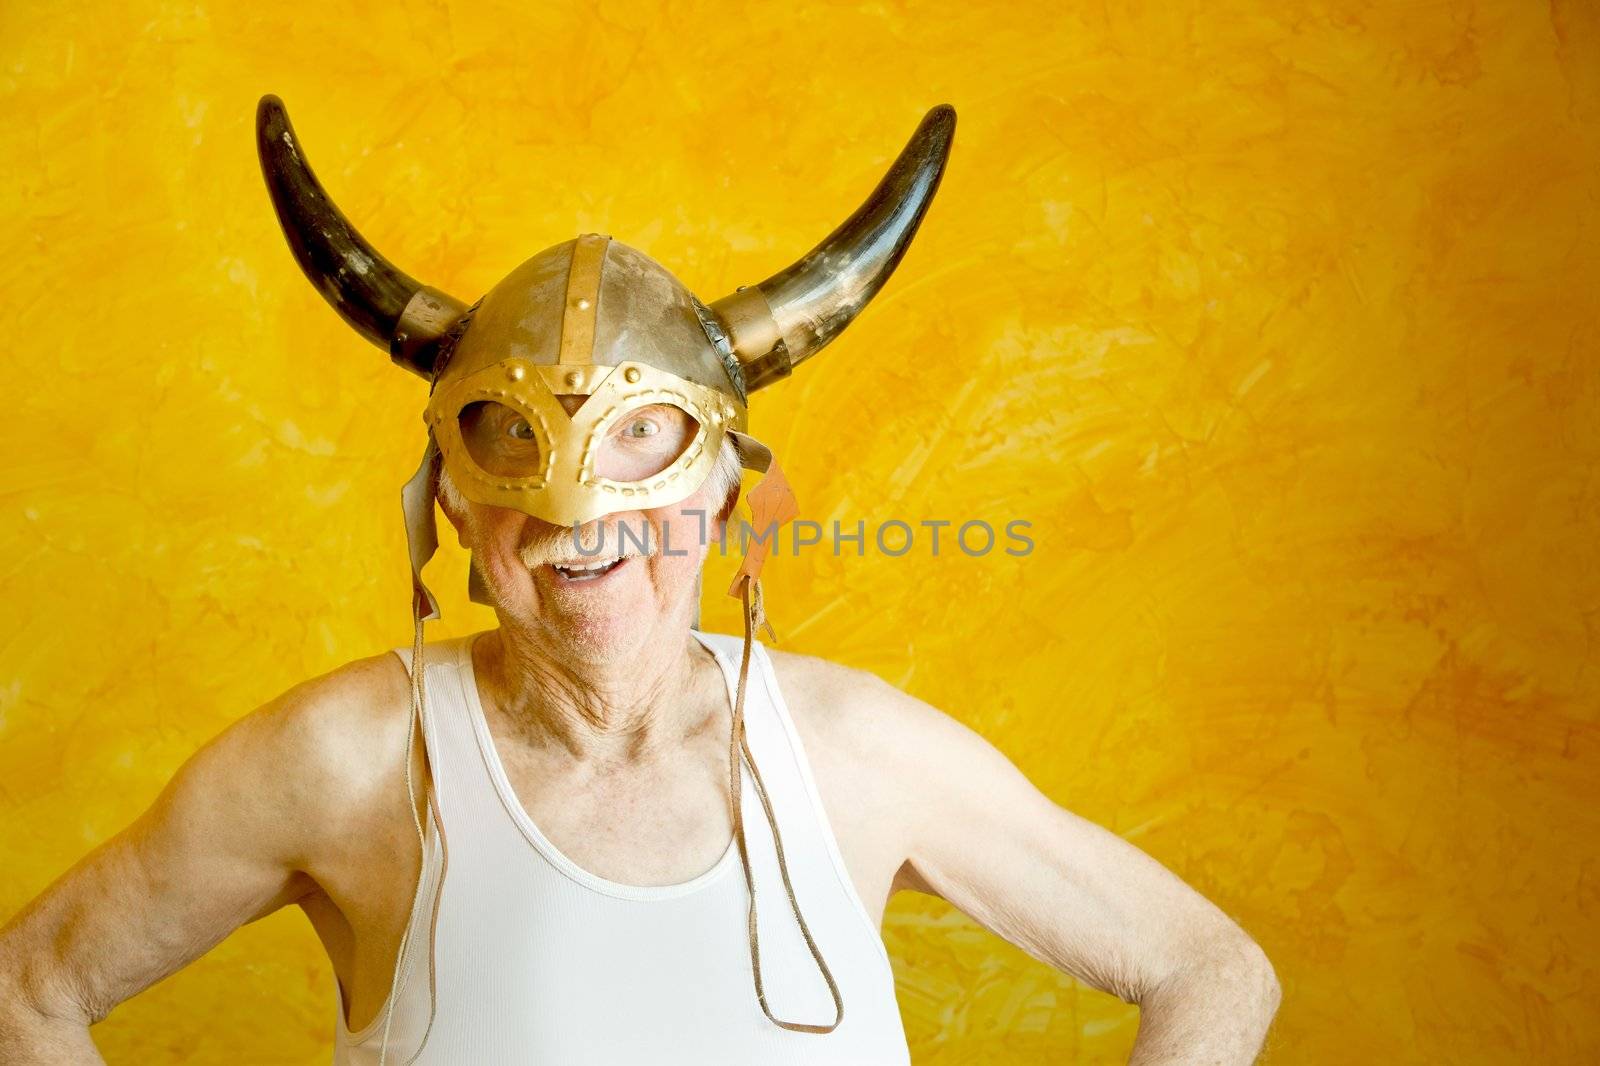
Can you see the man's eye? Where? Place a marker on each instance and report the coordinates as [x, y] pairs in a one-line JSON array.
[[520, 429], [641, 427]]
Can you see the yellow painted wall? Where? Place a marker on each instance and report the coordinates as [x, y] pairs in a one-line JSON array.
[[1279, 321]]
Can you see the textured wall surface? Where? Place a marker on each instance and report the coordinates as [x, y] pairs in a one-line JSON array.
[[1278, 320]]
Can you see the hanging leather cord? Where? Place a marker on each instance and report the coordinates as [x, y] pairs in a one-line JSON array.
[[402, 971], [750, 594]]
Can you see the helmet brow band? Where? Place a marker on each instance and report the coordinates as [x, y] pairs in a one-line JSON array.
[[583, 299]]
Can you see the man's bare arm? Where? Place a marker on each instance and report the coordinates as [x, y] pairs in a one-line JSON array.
[[224, 843], [1070, 893]]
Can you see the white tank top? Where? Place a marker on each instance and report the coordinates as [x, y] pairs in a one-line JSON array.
[[538, 961]]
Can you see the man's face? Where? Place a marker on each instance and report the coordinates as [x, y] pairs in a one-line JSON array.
[[624, 578]]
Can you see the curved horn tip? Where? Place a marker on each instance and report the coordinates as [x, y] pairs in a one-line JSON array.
[[269, 107], [940, 122], [934, 134]]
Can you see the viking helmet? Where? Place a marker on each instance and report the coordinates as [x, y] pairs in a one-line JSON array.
[[595, 318]]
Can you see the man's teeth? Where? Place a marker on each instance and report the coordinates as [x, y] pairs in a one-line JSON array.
[[586, 570]]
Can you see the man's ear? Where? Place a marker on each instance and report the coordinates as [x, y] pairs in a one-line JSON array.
[[726, 511], [448, 502]]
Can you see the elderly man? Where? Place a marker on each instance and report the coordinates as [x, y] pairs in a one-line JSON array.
[[560, 886]]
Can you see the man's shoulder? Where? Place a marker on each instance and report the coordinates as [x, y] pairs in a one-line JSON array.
[[879, 724], [338, 721], [832, 694], [285, 782], [875, 749], [851, 709], [330, 741], [812, 675], [356, 695]]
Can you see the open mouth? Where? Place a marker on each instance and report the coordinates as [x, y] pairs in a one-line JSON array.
[[588, 570]]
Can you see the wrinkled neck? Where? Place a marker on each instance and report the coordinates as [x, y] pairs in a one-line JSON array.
[[610, 711]]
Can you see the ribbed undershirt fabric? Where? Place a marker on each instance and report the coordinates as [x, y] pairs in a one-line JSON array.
[[540, 962]]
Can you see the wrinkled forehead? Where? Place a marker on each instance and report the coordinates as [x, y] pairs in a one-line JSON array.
[[590, 302]]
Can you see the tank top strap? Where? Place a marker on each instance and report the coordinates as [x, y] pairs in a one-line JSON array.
[[455, 755], [466, 806]]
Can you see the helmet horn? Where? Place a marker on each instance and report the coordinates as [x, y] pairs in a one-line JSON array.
[[385, 305], [774, 326]]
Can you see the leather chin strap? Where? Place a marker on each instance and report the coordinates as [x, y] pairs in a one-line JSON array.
[[422, 540], [750, 594], [772, 503], [422, 534]]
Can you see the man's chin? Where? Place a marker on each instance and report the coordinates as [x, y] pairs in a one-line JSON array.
[[598, 635], [598, 615]]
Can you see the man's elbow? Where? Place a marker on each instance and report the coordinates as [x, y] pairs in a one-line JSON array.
[[1259, 970], [30, 1000], [35, 1032], [1239, 964], [1228, 966], [1215, 1005]]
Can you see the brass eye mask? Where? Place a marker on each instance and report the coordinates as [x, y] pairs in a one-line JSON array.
[[564, 488]]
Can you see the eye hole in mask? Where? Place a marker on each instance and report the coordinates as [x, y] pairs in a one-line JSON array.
[[644, 442], [501, 440]]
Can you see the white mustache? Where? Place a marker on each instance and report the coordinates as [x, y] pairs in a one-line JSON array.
[[560, 550]]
